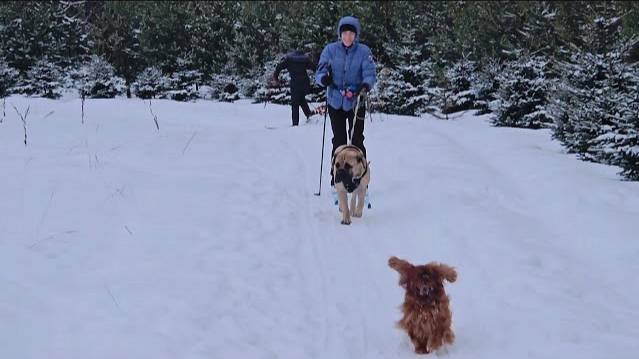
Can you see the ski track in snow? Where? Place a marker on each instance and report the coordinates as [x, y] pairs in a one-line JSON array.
[[204, 239]]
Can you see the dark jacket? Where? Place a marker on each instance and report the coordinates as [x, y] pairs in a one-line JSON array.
[[296, 63]]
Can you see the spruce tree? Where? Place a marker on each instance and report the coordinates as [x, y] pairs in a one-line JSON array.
[[97, 79], [210, 33], [268, 91], [8, 78], [485, 87], [580, 106], [225, 88], [116, 36], [151, 83], [406, 85], [594, 106], [522, 96], [183, 81], [163, 36], [43, 80], [460, 96], [619, 134]]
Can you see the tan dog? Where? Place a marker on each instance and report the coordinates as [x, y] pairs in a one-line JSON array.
[[352, 175], [427, 318]]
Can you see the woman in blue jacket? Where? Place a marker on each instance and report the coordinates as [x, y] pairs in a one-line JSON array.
[[346, 69]]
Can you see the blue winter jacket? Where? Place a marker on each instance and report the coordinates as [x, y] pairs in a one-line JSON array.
[[349, 67]]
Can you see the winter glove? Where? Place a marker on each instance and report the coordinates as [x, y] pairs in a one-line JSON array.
[[327, 80], [363, 88]]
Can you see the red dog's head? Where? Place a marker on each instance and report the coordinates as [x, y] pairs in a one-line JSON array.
[[424, 282]]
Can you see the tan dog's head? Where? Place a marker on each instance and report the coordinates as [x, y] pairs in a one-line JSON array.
[[349, 165], [423, 282]]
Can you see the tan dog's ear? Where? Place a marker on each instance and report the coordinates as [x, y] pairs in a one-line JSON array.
[[447, 272]]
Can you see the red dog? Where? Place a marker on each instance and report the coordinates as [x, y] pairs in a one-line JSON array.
[[427, 318]]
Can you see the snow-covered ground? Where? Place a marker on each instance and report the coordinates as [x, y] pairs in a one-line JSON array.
[[204, 240]]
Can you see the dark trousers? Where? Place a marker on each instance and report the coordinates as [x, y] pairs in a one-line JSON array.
[[338, 124], [297, 100]]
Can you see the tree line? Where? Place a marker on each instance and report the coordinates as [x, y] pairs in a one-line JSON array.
[[565, 65]]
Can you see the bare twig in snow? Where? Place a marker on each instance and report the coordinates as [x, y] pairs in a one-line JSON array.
[[112, 297], [34, 244], [51, 236], [83, 97], [188, 143], [24, 121], [155, 118]]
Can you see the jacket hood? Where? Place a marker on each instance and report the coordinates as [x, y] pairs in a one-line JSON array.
[[349, 20]]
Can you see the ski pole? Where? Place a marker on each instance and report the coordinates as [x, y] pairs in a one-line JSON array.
[[323, 138]]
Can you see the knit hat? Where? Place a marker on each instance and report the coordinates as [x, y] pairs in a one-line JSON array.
[[347, 27]]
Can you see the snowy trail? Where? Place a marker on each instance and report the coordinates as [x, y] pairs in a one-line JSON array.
[[204, 240]]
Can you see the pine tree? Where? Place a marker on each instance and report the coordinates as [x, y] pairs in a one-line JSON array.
[[8, 78], [459, 95], [256, 24], [407, 84], [116, 36], [151, 83], [538, 34], [279, 93], [183, 81], [43, 80], [628, 129], [164, 36], [210, 32], [579, 107], [522, 96], [405, 90], [225, 88], [97, 79], [32, 30], [622, 92], [601, 32], [483, 30], [594, 107], [630, 157], [485, 87]]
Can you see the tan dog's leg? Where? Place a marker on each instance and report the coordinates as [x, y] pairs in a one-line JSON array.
[[343, 206], [359, 209], [354, 197]]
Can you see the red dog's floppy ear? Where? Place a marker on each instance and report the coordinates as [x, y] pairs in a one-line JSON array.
[[403, 268], [447, 272], [399, 265]]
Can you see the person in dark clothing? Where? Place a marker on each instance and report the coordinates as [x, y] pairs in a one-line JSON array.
[[296, 62]]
